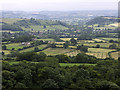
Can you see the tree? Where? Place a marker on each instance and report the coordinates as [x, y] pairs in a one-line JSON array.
[[73, 41], [62, 58], [36, 49], [66, 45], [82, 48], [52, 61], [113, 46], [3, 53], [4, 47], [39, 57], [13, 48], [97, 46], [118, 58], [44, 26], [50, 83]]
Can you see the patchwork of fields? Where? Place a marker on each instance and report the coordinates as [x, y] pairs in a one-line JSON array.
[[71, 51]]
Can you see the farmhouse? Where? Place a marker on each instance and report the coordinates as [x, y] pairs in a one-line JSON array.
[[25, 43]]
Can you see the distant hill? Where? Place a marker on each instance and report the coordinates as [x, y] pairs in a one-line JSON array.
[[102, 20], [15, 24]]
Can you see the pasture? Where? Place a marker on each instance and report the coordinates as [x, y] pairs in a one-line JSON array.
[[101, 44], [5, 52], [73, 53], [67, 39], [56, 51], [115, 55], [32, 48], [16, 46], [98, 40], [99, 52], [107, 39], [10, 20], [47, 39], [41, 28], [59, 42]]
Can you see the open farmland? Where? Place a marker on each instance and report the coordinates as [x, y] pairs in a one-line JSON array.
[[101, 44], [47, 39], [73, 53], [56, 51], [115, 55], [114, 24], [6, 52], [66, 39], [99, 53], [59, 42], [98, 40], [41, 28], [107, 39], [32, 48], [10, 20], [16, 46]]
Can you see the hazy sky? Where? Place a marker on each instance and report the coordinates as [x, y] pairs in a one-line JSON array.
[[58, 5]]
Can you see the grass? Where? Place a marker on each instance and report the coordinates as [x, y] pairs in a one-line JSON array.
[[14, 45], [59, 45], [99, 52], [14, 62], [73, 47], [114, 24], [107, 39], [66, 39], [61, 64], [115, 55], [48, 39], [6, 51], [56, 51], [101, 44], [73, 53], [77, 64], [98, 40], [40, 28], [7, 31], [10, 20], [32, 48], [59, 42], [105, 27]]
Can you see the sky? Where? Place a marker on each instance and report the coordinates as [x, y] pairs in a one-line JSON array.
[[58, 5]]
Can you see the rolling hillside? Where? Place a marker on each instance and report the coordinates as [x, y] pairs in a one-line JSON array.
[[31, 24]]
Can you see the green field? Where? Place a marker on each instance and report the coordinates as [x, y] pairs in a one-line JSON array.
[[77, 64], [73, 53], [114, 24], [59, 45], [98, 40], [101, 44], [59, 42], [66, 39], [40, 28], [48, 39], [107, 39], [6, 52], [14, 45], [32, 48], [115, 55], [105, 27], [10, 20], [99, 52], [55, 51]]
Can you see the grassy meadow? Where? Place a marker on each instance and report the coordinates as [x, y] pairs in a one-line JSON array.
[[55, 51]]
